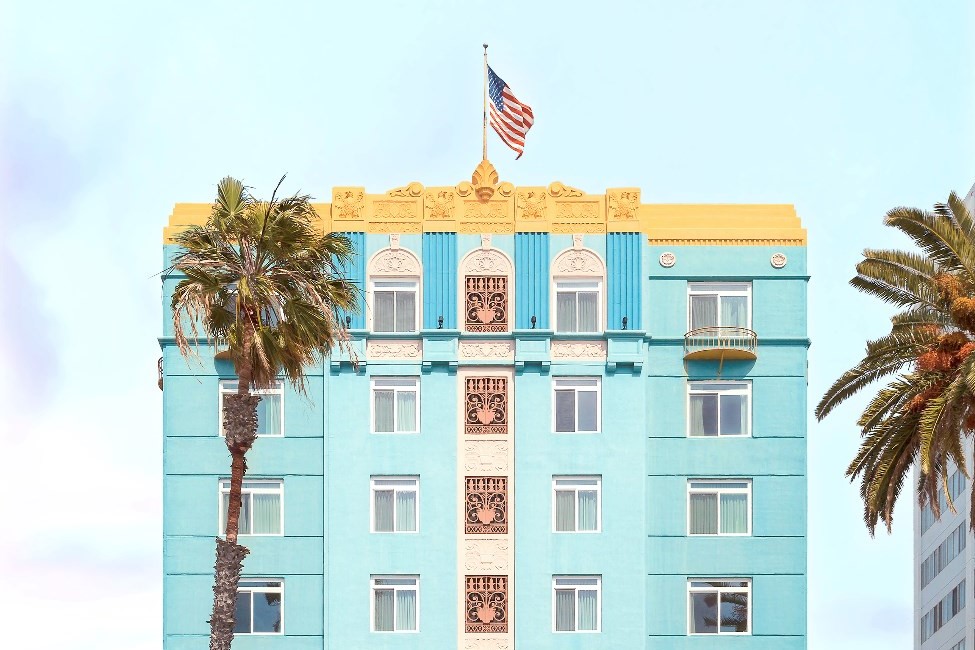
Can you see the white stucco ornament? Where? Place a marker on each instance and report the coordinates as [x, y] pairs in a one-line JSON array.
[[779, 260], [667, 259]]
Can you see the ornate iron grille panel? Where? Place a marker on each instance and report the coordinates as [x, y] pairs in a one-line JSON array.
[[487, 604], [487, 303], [487, 505], [487, 406]]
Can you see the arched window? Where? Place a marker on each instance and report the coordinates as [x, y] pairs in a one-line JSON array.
[[578, 303], [394, 288], [487, 278]]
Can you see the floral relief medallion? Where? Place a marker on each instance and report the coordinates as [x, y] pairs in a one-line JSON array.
[[486, 607], [486, 406], [486, 509], [487, 303]]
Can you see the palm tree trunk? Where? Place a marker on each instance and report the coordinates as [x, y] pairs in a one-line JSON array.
[[240, 431]]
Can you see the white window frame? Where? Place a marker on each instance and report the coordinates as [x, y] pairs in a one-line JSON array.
[[410, 284], [373, 587], [262, 590], [397, 385], [375, 485], [691, 589], [595, 483], [258, 486], [729, 387], [575, 583], [229, 387], [575, 286], [721, 486], [593, 384], [719, 289]]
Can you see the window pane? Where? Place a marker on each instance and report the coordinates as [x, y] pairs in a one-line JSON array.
[[269, 415], [242, 613], [406, 511], [588, 311], [267, 612], [383, 410], [384, 610], [565, 312], [565, 610], [704, 415], [588, 610], [405, 311], [266, 514], [244, 523], [588, 513], [406, 411], [704, 514], [704, 311], [704, 613], [734, 311], [734, 612], [588, 419], [382, 313], [734, 513], [565, 511], [565, 410], [384, 511], [405, 610], [732, 415]]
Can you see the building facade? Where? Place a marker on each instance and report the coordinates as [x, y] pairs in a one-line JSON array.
[[566, 420], [944, 563]]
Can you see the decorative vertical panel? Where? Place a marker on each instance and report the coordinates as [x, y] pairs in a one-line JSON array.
[[486, 303], [439, 279], [355, 272], [532, 279], [486, 406], [624, 274], [486, 606], [486, 505]]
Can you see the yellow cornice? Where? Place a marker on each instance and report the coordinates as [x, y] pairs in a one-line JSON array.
[[486, 205]]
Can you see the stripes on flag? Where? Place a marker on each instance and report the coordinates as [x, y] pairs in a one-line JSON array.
[[510, 119]]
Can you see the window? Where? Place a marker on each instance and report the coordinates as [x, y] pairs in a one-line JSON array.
[[719, 607], [956, 484], [576, 405], [270, 411], [394, 404], [394, 306], [395, 501], [718, 408], [942, 556], [395, 603], [958, 646], [577, 306], [261, 511], [575, 603], [719, 304], [576, 504], [719, 507], [943, 611], [260, 607]]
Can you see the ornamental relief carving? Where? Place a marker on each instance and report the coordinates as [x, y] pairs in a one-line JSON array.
[[623, 204], [578, 349], [578, 262], [486, 406], [439, 204], [563, 191], [487, 349], [394, 261], [490, 211], [476, 227], [486, 303], [348, 203], [486, 556], [486, 505], [404, 227], [577, 211], [488, 262], [487, 456], [394, 210], [487, 644], [486, 607], [531, 204], [376, 350], [412, 190]]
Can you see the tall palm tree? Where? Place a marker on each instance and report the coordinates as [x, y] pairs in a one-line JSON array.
[[263, 282], [927, 410]]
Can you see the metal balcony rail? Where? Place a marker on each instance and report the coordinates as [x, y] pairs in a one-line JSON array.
[[720, 343], [160, 369]]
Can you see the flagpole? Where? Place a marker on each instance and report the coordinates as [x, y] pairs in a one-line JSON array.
[[484, 114]]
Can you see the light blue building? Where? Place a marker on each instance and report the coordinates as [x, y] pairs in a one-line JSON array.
[[570, 421]]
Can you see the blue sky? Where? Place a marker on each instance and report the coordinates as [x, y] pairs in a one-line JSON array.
[[112, 111]]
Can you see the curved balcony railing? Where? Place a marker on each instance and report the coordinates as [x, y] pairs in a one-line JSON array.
[[720, 343], [159, 368]]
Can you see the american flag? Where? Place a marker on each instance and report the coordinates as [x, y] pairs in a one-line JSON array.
[[510, 119]]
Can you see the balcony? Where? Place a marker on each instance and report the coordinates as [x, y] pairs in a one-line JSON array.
[[720, 344]]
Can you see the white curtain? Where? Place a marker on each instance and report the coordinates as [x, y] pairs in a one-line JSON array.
[[704, 311], [588, 311], [405, 311], [588, 610], [588, 513], [565, 610], [565, 510], [406, 411], [704, 415], [734, 513], [384, 610], [733, 415], [384, 511], [266, 514], [405, 609], [704, 514], [565, 410], [383, 312], [734, 311], [405, 511], [269, 415], [384, 410], [565, 312]]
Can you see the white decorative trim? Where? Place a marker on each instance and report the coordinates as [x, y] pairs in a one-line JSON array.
[[487, 349], [486, 555], [394, 261], [486, 456], [394, 350], [394, 241], [486, 261], [578, 262], [486, 240], [577, 242], [578, 349], [779, 260], [493, 642], [667, 259]]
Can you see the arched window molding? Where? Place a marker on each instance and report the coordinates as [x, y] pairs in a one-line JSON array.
[[395, 290], [578, 291]]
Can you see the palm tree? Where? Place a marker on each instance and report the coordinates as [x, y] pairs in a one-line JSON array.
[[263, 282], [927, 410]]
